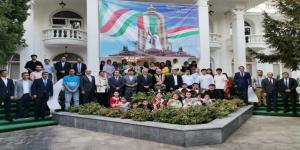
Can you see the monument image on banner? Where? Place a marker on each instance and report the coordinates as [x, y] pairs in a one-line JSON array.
[[148, 31]]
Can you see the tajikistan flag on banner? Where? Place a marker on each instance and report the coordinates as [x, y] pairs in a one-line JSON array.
[[116, 21]]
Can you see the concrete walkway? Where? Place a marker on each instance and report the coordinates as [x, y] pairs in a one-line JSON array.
[[258, 133]]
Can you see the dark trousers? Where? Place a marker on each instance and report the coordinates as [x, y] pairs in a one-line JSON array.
[[87, 97], [23, 106], [289, 97], [220, 93], [103, 99], [40, 106], [129, 91], [243, 94], [6, 101], [272, 101]]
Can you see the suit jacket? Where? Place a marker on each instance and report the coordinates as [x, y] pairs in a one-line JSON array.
[[171, 81], [268, 87], [87, 85], [7, 90], [38, 88], [242, 81], [82, 69], [292, 86], [131, 82], [143, 82], [19, 90], [58, 66], [114, 83]]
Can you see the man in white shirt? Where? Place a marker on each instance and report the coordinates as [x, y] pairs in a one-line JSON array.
[[220, 82], [187, 78], [22, 95], [257, 85], [196, 76], [205, 79]]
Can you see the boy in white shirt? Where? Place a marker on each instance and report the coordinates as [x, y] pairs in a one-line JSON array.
[[220, 82]]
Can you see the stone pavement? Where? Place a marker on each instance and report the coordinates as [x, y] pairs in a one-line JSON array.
[[258, 133]]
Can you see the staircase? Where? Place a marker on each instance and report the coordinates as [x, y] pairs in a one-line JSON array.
[[262, 110], [25, 123]]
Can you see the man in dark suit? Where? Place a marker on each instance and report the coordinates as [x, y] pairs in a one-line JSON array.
[[174, 81], [269, 86], [213, 93], [7, 90], [145, 81], [62, 68], [41, 90], [116, 82], [79, 67], [242, 80], [87, 87], [287, 88]]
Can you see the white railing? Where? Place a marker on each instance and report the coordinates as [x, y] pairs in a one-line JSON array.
[[71, 34], [213, 37], [255, 39]]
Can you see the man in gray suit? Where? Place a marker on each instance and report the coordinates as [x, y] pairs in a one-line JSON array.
[[269, 86], [87, 87], [130, 84], [22, 95]]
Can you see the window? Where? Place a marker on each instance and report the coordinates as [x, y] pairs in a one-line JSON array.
[[247, 31], [66, 19]]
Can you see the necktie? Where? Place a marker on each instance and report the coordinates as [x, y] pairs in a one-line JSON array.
[[270, 80], [286, 83], [79, 69], [45, 83]]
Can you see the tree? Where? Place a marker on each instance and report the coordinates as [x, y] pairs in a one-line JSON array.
[[13, 13], [283, 35]]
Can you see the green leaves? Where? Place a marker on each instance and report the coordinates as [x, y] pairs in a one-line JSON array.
[[13, 14], [182, 116], [283, 35]]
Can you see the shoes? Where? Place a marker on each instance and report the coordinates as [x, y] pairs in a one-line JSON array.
[[9, 119]]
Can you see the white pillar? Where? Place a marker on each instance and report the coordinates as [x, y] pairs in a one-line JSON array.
[[93, 36], [25, 52], [204, 61], [238, 36]]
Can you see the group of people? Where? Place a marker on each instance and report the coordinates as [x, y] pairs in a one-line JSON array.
[[116, 83]]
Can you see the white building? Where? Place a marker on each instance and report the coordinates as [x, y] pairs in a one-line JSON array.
[[227, 28]]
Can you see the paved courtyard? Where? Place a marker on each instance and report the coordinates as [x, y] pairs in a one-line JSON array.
[[258, 133]]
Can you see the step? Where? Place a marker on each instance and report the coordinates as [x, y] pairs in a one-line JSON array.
[[13, 115], [13, 109], [13, 127], [279, 113], [265, 108], [21, 120]]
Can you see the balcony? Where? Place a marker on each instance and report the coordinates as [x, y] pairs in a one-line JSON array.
[[64, 37], [215, 40], [255, 41]]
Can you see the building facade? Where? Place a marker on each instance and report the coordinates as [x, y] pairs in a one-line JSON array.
[[68, 28]]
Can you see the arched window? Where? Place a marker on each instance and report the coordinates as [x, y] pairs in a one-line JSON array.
[[66, 19], [247, 27]]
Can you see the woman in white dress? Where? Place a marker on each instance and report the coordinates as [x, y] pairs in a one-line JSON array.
[[102, 89]]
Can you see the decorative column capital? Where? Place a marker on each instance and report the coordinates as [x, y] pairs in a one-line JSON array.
[[238, 11], [202, 3]]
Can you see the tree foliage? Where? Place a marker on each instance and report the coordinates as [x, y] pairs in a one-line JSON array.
[[283, 35], [13, 14]]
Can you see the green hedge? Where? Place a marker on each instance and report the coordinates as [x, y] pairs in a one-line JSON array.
[[182, 116]]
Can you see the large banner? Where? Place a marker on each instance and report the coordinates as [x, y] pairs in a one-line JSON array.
[[144, 30]]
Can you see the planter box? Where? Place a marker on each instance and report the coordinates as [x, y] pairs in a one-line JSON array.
[[215, 132]]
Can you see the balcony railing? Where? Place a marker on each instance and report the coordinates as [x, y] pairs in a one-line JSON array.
[[215, 40], [255, 39], [57, 36]]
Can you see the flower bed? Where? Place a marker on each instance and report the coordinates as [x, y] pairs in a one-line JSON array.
[[181, 116]]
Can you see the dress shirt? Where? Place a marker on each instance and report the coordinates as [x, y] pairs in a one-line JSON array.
[[89, 77], [175, 80], [4, 80], [63, 64], [48, 68], [108, 69], [26, 88], [206, 80], [286, 82], [188, 79], [220, 81], [258, 80], [35, 75]]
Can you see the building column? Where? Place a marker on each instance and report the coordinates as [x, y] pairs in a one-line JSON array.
[[238, 37], [204, 61], [28, 50], [93, 43]]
